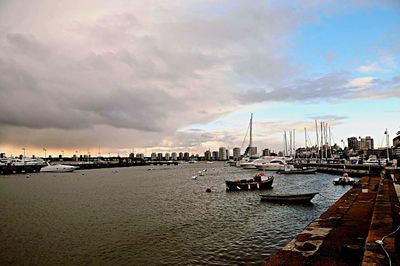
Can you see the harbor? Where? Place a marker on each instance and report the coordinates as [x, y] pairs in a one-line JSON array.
[[134, 216]]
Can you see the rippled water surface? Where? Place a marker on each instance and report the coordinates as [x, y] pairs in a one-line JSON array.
[[133, 216]]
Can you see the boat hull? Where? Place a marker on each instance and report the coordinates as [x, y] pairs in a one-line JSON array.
[[245, 185], [295, 198], [298, 172]]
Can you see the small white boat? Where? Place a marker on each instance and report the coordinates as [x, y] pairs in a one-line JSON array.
[[58, 168]]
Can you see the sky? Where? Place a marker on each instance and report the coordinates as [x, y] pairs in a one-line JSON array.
[[114, 77]]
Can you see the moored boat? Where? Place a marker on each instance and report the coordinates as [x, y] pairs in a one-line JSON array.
[[256, 183], [298, 171], [289, 198], [58, 168]]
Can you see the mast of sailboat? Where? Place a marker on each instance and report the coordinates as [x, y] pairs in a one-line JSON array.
[[316, 132], [387, 144], [294, 142], [305, 140], [251, 135]]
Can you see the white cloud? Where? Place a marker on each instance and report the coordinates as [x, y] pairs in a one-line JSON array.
[[361, 83], [369, 68]]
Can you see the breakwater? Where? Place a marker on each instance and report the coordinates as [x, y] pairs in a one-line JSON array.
[[356, 230]]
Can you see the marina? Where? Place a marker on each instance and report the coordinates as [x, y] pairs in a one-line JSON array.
[[133, 216]]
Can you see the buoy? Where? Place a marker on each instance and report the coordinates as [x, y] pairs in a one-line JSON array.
[[208, 190]]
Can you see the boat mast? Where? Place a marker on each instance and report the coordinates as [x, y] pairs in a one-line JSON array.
[[316, 132], [284, 144], [322, 141], [305, 140], [251, 135], [294, 142], [387, 144]]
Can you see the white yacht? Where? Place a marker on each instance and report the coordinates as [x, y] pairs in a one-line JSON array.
[[246, 163], [272, 164], [58, 168]]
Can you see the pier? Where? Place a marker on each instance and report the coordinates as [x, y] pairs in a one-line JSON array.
[[20, 169], [358, 170], [358, 229]]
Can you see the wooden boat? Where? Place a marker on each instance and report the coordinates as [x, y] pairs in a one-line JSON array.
[[298, 171], [289, 198], [257, 183]]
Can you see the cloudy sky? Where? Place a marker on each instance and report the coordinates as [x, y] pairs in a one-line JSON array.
[[185, 75]]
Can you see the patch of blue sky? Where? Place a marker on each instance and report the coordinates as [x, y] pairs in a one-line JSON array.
[[346, 41]]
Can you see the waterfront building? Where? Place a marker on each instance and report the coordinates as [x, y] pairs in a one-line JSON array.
[[222, 154], [215, 155], [181, 156], [396, 140], [367, 143], [227, 154], [131, 155], [159, 156], [167, 158], [186, 156], [153, 156], [266, 152], [140, 156], [251, 151], [353, 143], [207, 155], [174, 156], [236, 153]]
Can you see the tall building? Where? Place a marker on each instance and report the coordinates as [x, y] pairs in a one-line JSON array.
[[222, 154], [167, 156], [186, 156], [207, 155], [367, 143], [353, 143], [174, 156], [236, 153], [153, 156], [266, 152], [215, 155], [180, 156], [140, 155]]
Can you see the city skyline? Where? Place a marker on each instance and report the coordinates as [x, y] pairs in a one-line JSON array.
[[185, 76]]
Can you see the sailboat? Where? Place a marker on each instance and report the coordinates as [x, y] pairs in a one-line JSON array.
[[247, 160]]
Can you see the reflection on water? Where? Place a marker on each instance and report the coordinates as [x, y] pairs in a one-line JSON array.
[[161, 217]]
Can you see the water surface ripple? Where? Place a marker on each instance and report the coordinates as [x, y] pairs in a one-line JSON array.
[[133, 216]]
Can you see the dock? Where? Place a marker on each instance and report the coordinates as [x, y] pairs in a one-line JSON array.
[[352, 230], [20, 169], [357, 170]]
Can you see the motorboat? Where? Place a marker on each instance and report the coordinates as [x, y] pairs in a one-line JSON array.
[[297, 171], [246, 163], [289, 198], [58, 168], [273, 165], [256, 183], [344, 180]]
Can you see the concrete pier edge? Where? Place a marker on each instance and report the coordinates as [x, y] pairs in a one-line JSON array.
[[348, 233]]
